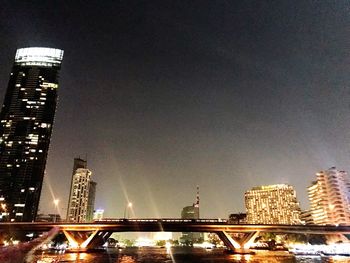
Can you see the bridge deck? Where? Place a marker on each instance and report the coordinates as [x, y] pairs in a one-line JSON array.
[[173, 225]]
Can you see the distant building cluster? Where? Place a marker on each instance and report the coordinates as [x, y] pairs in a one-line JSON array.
[[329, 197]]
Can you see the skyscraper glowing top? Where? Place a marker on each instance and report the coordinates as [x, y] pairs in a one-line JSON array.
[[39, 56], [26, 122]]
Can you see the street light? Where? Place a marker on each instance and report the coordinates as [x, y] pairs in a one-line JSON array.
[[128, 206], [56, 201]]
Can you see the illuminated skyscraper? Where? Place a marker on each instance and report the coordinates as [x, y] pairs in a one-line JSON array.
[[82, 194], [27, 117], [272, 204], [329, 197], [78, 200], [78, 163]]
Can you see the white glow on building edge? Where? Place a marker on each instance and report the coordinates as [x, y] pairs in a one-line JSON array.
[[39, 56]]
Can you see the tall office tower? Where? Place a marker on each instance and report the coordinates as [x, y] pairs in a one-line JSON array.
[[79, 196], [27, 118], [272, 204], [329, 197], [78, 163]]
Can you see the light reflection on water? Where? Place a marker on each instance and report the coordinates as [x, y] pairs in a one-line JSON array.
[[183, 255]]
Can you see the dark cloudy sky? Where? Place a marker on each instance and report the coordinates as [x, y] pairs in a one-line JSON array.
[[164, 95]]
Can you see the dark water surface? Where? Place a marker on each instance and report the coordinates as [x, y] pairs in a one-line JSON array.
[[180, 255]]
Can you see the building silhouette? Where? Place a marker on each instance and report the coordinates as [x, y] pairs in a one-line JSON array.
[[239, 218], [82, 194], [26, 122], [272, 204], [329, 197], [191, 212], [91, 202]]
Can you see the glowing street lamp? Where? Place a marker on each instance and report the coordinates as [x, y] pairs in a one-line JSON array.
[[127, 207]]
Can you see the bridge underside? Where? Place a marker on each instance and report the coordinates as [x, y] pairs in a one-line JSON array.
[[239, 242], [236, 237]]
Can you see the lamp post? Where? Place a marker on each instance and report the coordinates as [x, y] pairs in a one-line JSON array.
[[127, 207], [56, 201]]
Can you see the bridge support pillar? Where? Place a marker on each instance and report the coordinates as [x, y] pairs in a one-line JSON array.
[[238, 245], [86, 239]]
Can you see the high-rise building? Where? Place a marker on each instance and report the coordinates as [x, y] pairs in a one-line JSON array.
[[78, 200], [78, 163], [272, 204], [26, 121], [329, 197], [82, 194]]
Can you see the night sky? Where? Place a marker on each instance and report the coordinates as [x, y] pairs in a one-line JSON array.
[[162, 96]]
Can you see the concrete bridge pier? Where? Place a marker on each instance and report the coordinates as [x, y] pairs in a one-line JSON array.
[[238, 245], [87, 239]]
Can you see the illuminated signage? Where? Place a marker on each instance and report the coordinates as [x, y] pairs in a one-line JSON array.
[[39, 56]]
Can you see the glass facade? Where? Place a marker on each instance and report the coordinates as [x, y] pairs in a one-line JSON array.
[[26, 122]]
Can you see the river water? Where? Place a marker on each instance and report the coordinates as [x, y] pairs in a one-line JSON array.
[[180, 255]]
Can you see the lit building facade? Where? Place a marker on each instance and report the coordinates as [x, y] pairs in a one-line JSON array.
[[78, 163], [329, 197], [26, 122], [79, 196], [272, 204]]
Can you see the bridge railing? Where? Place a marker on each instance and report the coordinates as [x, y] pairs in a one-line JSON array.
[[160, 220]]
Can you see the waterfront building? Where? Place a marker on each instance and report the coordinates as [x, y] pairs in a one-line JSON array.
[[272, 204], [78, 163], [26, 122], [82, 193], [191, 212], [329, 197]]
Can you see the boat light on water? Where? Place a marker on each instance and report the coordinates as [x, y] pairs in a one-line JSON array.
[[334, 249]]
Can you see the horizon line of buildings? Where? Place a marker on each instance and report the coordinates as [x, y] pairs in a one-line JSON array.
[[26, 123], [329, 198]]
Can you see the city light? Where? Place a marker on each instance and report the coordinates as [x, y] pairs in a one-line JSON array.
[[38, 56]]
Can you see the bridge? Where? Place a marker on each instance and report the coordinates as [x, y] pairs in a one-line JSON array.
[[92, 235]]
